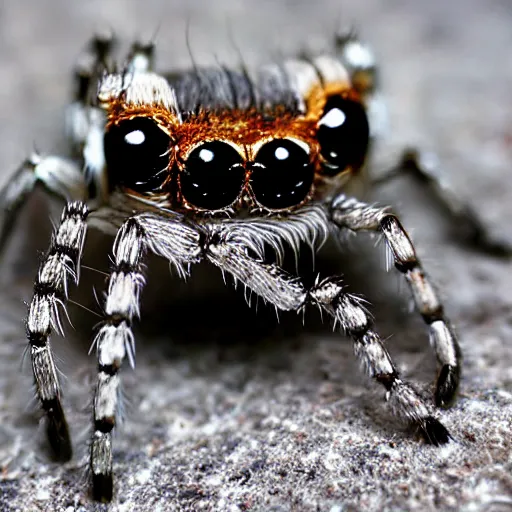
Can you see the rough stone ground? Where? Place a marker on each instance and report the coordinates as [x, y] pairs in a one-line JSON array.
[[227, 409]]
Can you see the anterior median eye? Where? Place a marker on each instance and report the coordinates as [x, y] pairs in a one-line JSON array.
[[136, 152], [213, 176], [343, 134], [282, 174]]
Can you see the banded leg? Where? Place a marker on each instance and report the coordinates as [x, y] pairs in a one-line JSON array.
[[227, 248], [50, 290], [288, 293], [178, 242], [183, 244], [357, 216], [114, 341]]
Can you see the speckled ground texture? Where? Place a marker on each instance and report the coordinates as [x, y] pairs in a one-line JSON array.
[[227, 409]]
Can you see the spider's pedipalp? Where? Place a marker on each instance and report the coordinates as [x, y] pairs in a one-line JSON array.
[[267, 280], [308, 225]]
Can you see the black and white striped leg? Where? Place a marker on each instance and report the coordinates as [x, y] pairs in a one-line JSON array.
[[114, 341], [404, 400], [358, 216], [50, 291], [286, 292]]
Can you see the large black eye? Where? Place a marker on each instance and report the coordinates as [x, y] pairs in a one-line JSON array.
[[213, 176], [343, 134], [282, 174], [136, 152]]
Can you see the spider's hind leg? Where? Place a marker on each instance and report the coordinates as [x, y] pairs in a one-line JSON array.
[[89, 68], [57, 175], [141, 57], [470, 228], [94, 60]]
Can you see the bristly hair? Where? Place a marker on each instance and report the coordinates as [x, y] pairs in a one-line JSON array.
[[219, 88], [307, 225]]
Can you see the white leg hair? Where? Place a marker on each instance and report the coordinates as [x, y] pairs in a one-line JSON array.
[[113, 342], [50, 291], [221, 244], [179, 244], [356, 216], [286, 292]]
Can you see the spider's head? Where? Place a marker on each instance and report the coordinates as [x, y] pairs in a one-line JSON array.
[[264, 157]]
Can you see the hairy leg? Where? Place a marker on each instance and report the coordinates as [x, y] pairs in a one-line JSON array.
[[50, 291], [286, 292], [114, 340], [235, 248], [348, 213]]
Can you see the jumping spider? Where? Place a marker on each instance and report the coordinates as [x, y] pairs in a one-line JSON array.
[[218, 165]]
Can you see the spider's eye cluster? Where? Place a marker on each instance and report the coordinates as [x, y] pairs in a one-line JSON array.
[[136, 153], [282, 174], [343, 134], [213, 176]]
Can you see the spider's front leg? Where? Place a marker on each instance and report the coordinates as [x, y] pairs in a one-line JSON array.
[[50, 291], [114, 341], [356, 216], [287, 293]]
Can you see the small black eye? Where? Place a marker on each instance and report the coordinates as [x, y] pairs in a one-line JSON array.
[[136, 154], [213, 176], [343, 134], [282, 174]]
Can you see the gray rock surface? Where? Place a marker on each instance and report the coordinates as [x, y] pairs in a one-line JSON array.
[[227, 409]]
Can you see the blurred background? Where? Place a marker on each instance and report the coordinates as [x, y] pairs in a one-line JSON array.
[[229, 409]]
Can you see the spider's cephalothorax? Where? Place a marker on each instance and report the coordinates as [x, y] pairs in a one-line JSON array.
[[218, 165], [213, 141]]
